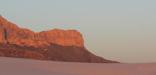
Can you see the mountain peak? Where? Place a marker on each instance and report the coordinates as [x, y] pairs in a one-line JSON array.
[[2, 19], [6, 24]]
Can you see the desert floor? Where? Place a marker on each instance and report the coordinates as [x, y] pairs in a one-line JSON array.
[[14, 66]]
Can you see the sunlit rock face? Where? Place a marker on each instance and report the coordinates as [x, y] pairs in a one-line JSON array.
[[56, 44], [12, 34]]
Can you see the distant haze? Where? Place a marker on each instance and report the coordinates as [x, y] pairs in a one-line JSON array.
[[123, 30]]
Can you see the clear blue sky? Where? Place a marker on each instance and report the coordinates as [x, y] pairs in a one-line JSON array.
[[123, 30]]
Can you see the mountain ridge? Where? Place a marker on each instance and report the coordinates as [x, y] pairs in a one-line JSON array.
[[56, 44], [17, 35]]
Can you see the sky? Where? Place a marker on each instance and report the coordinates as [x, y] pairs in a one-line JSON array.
[[122, 30]]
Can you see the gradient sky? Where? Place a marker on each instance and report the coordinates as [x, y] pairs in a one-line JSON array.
[[123, 30]]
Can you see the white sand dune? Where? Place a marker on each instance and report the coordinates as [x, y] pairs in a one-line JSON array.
[[12, 66]]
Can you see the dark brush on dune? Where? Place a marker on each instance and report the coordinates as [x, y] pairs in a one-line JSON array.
[[56, 45]]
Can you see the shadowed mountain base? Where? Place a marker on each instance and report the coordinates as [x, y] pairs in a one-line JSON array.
[[53, 52]]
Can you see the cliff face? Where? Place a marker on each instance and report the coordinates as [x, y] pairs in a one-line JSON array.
[[56, 44], [12, 34]]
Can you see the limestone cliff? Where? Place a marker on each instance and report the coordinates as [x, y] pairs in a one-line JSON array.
[[11, 33], [56, 44]]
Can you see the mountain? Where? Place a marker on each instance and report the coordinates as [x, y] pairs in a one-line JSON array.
[[56, 44]]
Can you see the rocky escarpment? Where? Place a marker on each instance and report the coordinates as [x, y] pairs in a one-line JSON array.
[[11, 33], [56, 44]]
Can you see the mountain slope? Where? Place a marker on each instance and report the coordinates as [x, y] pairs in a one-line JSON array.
[[57, 44]]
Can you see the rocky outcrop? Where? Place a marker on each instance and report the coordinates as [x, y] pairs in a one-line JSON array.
[[63, 37], [56, 44], [25, 37]]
